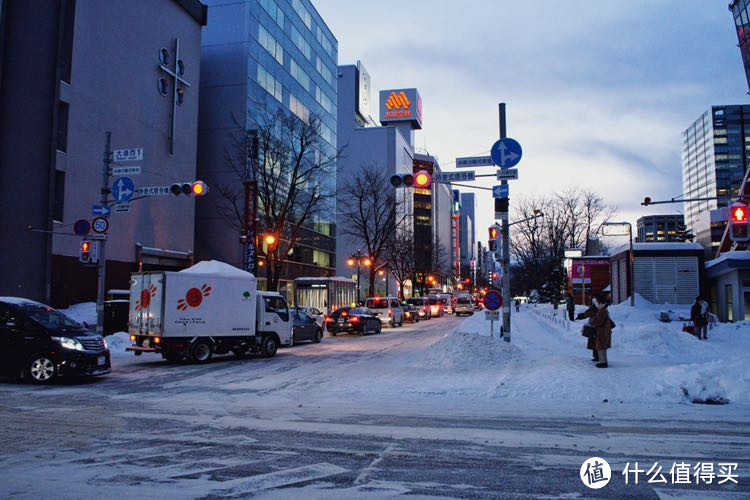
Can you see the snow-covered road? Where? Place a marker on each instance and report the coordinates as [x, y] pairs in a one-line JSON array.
[[432, 409]]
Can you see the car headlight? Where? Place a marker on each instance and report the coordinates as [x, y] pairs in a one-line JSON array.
[[69, 343], [104, 343]]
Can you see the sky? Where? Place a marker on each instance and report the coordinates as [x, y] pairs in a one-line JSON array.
[[597, 93]]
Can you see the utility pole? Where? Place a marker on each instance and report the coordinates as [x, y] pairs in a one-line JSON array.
[[503, 203], [102, 267]]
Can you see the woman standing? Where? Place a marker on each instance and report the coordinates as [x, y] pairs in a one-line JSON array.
[[603, 326]]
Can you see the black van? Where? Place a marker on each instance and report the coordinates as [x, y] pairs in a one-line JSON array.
[[42, 344]]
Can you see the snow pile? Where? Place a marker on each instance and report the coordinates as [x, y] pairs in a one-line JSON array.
[[118, 342], [85, 311], [216, 267]]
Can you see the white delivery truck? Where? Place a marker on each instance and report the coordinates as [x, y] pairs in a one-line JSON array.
[[210, 308]]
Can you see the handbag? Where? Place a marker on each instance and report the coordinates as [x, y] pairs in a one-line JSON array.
[[588, 331], [688, 328]]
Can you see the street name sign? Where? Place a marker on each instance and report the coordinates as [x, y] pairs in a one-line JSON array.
[[121, 207], [501, 215], [492, 315], [506, 153], [123, 189], [507, 174], [99, 210], [153, 191], [126, 171], [131, 154], [455, 176], [500, 191], [474, 161]]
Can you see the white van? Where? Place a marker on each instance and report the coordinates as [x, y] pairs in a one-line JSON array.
[[388, 309]]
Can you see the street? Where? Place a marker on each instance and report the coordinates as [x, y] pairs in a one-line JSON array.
[[304, 424]]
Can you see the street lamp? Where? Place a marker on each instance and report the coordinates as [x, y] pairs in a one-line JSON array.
[[360, 260]]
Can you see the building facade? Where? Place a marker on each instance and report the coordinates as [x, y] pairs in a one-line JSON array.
[[714, 160], [66, 80], [467, 234], [741, 14], [260, 58], [655, 228]]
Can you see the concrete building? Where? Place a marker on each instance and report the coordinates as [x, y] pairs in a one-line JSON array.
[[467, 234], [260, 58], [715, 158], [71, 70], [740, 11], [655, 228], [389, 148]]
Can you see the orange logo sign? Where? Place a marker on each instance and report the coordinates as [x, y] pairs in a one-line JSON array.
[[397, 105], [193, 297]]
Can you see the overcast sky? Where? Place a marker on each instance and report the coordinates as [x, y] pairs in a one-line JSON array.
[[597, 92]]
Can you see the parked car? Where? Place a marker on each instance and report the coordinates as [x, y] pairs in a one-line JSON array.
[[422, 304], [305, 328], [436, 307], [446, 300], [353, 320], [464, 305], [477, 303], [41, 343], [388, 309], [315, 314], [411, 313]]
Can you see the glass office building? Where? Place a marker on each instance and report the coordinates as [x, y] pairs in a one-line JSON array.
[[260, 56], [656, 228], [740, 11], [715, 152]]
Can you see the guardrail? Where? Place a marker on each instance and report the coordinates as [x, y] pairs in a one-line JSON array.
[[558, 317]]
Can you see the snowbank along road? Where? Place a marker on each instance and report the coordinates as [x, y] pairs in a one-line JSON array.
[[437, 408]]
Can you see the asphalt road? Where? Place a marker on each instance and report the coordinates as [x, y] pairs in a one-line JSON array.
[[154, 428]]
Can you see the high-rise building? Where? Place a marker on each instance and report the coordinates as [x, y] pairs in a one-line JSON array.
[[262, 57], [70, 71], [740, 12], [715, 151], [467, 233], [655, 228]]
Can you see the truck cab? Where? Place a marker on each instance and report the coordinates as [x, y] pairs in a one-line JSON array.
[[274, 316]]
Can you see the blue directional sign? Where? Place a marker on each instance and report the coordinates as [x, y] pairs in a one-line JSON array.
[[123, 189], [100, 210], [500, 191], [506, 153], [493, 300]]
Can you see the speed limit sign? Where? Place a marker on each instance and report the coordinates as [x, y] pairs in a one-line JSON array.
[[100, 225]]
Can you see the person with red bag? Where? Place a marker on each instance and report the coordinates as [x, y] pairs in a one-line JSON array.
[[699, 317]]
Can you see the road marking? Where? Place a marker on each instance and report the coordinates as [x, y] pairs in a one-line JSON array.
[[287, 477], [366, 471], [674, 494]]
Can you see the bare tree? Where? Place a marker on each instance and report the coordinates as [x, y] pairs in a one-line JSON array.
[[399, 252], [285, 170], [373, 214]]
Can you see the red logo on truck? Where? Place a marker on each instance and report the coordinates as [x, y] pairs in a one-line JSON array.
[[193, 297], [145, 298]]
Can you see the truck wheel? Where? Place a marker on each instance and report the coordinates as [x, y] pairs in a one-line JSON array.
[[318, 336], [269, 346], [41, 370], [201, 351]]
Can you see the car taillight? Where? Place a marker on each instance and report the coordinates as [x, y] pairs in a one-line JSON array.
[[329, 319], [343, 313], [132, 338], [354, 319], [390, 312]]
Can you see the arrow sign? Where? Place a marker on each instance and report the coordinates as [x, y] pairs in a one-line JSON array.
[[500, 191], [506, 153], [100, 210], [123, 189]]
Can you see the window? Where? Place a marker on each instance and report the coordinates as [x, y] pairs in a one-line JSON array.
[[270, 44], [277, 305], [327, 134], [59, 201], [299, 75], [324, 41], [325, 72], [269, 83], [300, 42], [63, 109], [321, 258], [302, 12], [299, 109], [274, 11], [323, 100]]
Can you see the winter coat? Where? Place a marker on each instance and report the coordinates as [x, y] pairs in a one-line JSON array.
[[603, 327], [589, 313], [697, 316], [570, 303]]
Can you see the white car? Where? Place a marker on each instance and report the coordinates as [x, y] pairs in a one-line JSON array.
[[314, 313], [387, 309], [464, 305]]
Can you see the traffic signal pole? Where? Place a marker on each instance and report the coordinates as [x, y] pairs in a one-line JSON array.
[[102, 264], [505, 256]]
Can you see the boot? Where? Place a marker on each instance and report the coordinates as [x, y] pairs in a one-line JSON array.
[[596, 356], [602, 359]]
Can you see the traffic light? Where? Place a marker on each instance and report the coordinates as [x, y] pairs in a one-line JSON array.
[[423, 179], [738, 222], [492, 242], [84, 252], [196, 188], [646, 201], [402, 180]]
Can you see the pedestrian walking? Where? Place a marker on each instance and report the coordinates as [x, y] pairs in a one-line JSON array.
[[699, 317], [571, 305], [602, 323], [518, 305]]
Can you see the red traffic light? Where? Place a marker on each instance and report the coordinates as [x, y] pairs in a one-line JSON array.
[[739, 213], [422, 179]]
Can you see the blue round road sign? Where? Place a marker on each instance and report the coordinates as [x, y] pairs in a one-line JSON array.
[[493, 300], [123, 189], [81, 227], [506, 153]]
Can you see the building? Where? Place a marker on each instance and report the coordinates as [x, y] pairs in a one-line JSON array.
[[670, 273], [740, 11], [467, 234], [262, 57], [70, 71], [714, 161], [586, 277], [655, 228]]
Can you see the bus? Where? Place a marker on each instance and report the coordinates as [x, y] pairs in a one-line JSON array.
[[325, 294]]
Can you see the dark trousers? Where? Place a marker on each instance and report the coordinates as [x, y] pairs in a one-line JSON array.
[[570, 314]]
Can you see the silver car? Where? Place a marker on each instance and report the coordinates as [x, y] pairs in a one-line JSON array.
[[464, 305]]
